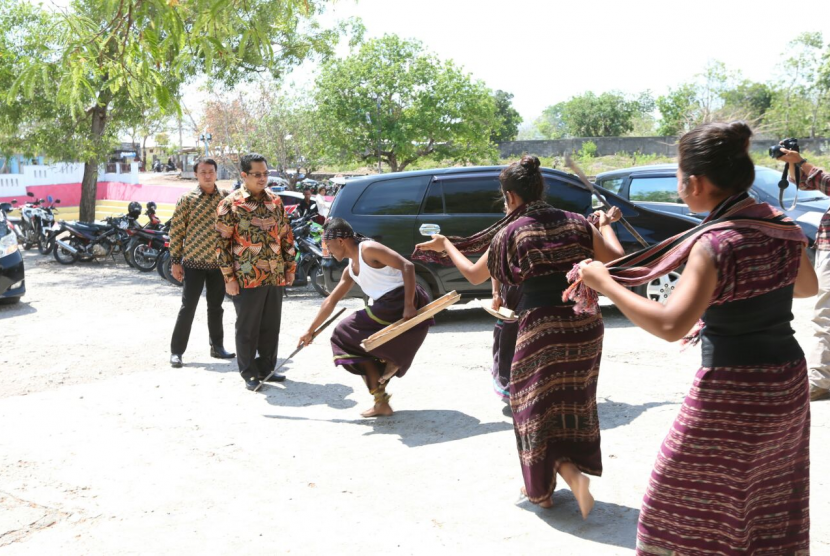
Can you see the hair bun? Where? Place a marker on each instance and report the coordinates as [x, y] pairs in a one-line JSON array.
[[530, 163], [741, 133]]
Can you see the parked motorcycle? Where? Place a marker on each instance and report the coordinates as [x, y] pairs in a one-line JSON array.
[[309, 258], [29, 219], [91, 240], [46, 224]]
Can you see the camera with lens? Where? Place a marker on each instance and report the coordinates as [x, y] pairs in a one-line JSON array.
[[790, 144]]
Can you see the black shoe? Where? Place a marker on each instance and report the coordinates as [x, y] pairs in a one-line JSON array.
[[218, 352], [176, 361], [274, 378], [252, 383]]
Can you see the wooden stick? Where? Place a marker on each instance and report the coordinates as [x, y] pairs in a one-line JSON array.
[[587, 183], [505, 314], [397, 328]]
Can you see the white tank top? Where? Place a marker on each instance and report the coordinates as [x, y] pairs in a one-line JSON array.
[[375, 282]]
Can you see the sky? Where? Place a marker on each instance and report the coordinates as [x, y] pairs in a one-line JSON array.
[[546, 51]]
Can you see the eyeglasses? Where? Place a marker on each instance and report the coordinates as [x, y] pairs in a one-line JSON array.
[[257, 175]]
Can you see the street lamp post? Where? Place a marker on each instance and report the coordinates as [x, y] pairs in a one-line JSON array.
[[206, 138]]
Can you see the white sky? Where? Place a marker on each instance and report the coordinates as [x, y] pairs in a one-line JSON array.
[[545, 51]]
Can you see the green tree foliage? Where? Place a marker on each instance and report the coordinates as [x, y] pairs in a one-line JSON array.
[[416, 106], [610, 114], [103, 60], [679, 110], [508, 118], [801, 102], [550, 124]]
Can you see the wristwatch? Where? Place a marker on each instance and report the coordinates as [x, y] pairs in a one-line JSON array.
[[798, 164]]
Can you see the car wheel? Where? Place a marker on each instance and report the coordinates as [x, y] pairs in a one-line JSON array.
[[427, 288], [9, 300], [661, 288]]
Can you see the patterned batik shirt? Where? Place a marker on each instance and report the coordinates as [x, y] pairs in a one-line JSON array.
[[193, 229], [819, 180], [255, 245]]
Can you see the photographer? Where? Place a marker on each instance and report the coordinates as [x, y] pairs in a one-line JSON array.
[[818, 355]]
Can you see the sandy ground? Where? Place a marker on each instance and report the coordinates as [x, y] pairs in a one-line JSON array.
[[107, 450]]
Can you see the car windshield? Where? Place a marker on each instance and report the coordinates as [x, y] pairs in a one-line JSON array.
[[767, 180]]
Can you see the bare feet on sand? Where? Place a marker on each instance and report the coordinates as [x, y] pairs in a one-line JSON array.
[[579, 484], [544, 504], [583, 495], [381, 409]]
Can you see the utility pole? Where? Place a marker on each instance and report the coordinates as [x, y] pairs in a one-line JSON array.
[[379, 128], [181, 143]]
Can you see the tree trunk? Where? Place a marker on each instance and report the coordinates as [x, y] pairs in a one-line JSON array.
[[89, 184]]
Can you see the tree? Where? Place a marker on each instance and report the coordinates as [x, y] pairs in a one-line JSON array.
[[610, 114], [283, 128], [550, 124], [106, 58], [801, 103], [679, 110], [395, 101], [508, 118]]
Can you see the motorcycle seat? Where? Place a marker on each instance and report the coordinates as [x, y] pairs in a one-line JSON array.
[[92, 226]]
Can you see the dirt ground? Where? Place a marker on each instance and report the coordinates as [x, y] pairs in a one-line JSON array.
[[107, 450]]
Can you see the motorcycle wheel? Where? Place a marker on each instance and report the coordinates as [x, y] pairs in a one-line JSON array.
[[45, 244], [161, 262], [63, 256], [168, 274], [140, 260], [128, 252], [315, 276]]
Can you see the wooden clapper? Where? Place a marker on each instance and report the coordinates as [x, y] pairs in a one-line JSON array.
[[397, 328]]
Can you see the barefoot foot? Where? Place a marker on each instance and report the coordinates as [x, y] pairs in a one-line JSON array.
[[378, 410], [543, 504], [583, 495]]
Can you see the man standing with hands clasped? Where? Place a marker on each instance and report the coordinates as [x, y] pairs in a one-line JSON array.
[[255, 249], [192, 252]]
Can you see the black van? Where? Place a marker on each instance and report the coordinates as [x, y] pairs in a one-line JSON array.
[[403, 209]]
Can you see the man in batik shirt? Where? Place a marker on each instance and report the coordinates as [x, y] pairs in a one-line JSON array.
[[818, 354], [255, 250]]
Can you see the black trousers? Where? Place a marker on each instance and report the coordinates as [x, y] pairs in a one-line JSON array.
[[258, 315], [194, 282]]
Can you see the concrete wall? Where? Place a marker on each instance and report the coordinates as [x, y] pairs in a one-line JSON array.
[[665, 146]]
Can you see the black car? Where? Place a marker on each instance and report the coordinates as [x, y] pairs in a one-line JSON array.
[[12, 283], [402, 209], [655, 187]]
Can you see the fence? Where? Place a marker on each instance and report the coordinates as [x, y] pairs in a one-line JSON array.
[[606, 146]]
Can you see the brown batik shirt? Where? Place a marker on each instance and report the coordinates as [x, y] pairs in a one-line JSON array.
[[255, 246], [193, 229]]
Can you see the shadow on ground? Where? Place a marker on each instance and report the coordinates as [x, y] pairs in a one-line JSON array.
[[565, 516], [617, 414], [419, 427], [292, 393], [16, 310]]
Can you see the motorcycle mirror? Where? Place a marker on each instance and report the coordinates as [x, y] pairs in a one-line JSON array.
[[30, 194], [49, 198], [14, 201], [57, 201]]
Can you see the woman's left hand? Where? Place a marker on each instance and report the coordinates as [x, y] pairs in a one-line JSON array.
[[607, 217], [435, 244], [594, 274]]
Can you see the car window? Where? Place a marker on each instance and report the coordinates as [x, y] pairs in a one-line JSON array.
[[767, 181], [287, 200], [434, 203], [396, 196], [611, 184], [480, 195], [654, 190], [566, 196]]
